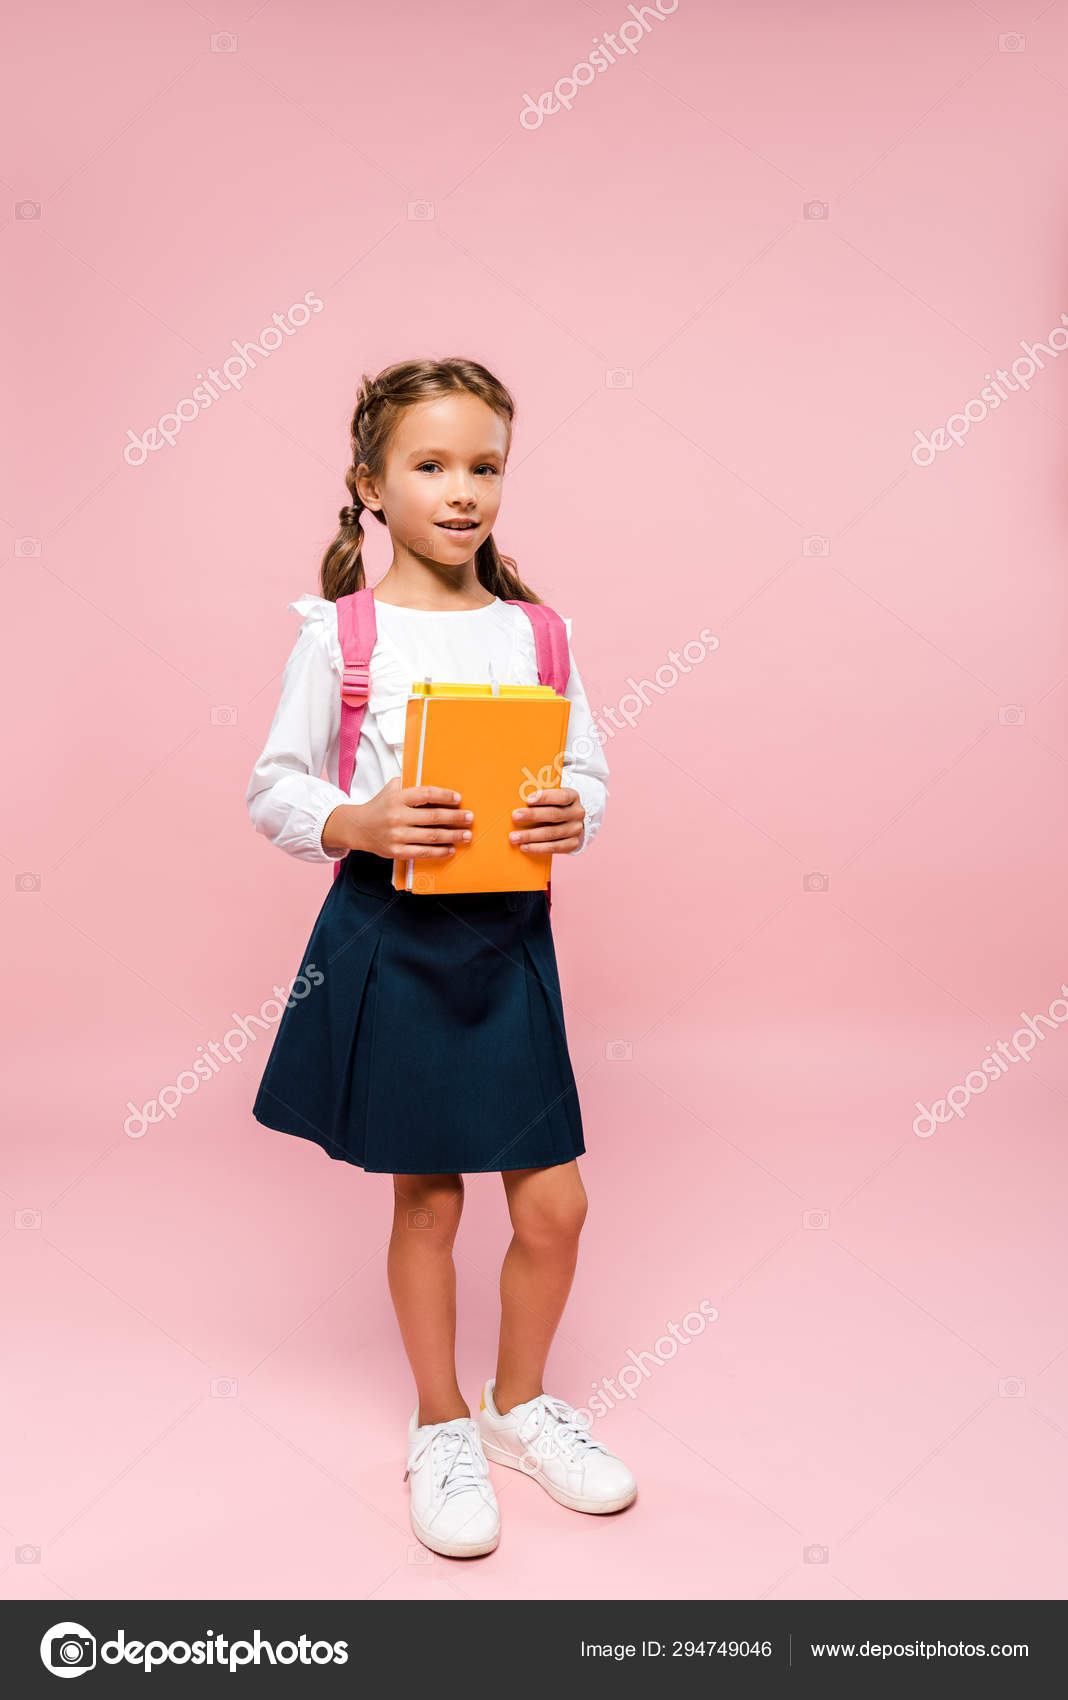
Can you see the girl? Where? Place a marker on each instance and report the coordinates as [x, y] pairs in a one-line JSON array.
[[428, 1038]]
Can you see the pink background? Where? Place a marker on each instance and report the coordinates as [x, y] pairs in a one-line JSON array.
[[887, 1380]]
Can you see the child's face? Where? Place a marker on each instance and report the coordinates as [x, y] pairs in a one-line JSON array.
[[445, 462]]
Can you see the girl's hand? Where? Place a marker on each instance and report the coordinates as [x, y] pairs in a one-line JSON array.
[[556, 824], [417, 820]]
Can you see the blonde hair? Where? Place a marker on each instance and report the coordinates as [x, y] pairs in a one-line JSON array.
[[379, 406]]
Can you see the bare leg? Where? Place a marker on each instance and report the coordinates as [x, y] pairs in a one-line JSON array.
[[422, 1284], [547, 1208]]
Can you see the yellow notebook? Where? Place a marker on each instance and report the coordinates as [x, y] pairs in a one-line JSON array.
[[495, 744]]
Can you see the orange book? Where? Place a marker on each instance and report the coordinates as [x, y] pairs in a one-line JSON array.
[[495, 744]]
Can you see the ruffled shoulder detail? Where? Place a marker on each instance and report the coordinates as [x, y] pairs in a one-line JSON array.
[[309, 604], [320, 621]]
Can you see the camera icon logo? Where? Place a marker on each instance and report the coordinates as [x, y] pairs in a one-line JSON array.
[[815, 1219], [27, 547], [27, 209], [224, 714], [618, 1050], [817, 209], [421, 1218], [619, 378], [425, 883], [1012, 714], [815, 546], [68, 1649], [420, 209], [815, 882], [1011, 1387], [816, 1555], [27, 882], [1011, 43]]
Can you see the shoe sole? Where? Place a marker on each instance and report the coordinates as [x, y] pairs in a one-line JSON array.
[[497, 1455], [452, 1549]]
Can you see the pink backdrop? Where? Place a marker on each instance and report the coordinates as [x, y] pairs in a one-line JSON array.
[[729, 283]]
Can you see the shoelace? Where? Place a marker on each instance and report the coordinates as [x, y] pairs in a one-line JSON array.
[[556, 1421], [456, 1453]]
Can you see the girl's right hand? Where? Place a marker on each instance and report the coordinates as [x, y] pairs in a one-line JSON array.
[[401, 821]]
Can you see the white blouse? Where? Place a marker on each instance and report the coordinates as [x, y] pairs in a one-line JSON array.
[[287, 798]]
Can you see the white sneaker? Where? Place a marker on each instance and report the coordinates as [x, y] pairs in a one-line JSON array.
[[547, 1439], [453, 1507]]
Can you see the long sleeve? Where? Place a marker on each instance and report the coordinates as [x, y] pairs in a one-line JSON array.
[[287, 799], [584, 764]]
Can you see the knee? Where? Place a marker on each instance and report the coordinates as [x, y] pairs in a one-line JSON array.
[[552, 1223], [429, 1204]]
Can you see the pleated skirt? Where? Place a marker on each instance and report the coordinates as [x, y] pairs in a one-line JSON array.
[[425, 1034]]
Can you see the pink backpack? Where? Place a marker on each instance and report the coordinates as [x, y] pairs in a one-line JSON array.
[[357, 631]]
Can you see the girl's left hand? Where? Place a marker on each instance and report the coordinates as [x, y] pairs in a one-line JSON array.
[[555, 824]]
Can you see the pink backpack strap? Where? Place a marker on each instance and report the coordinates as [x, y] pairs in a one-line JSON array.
[[550, 642], [554, 658], [357, 632]]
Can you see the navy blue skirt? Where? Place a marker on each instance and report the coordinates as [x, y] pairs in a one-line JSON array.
[[425, 1034]]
